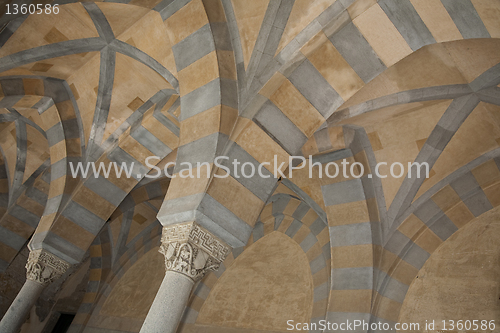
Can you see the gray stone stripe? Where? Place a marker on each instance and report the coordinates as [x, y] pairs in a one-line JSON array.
[[12, 86], [14, 115], [300, 211], [491, 95], [119, 156], [22, 150], [409, 24], [283, 60], [30, 191], [220, 33], [234, 36], [55, 89], [317, 264], [154, 191], [58, 246], [163, 119], [201, 99], [447, 126], [133, 52], [258, 231], [372, 187], [488, 79], [8, 102], [100, 21], [208, 213], [352, 278], [11, 239], [167, 8], [442, 226], [390, 288], [193, 47], [136, 117], [314, 87], [10, 28], [8, 118], [51, 51], [106, 189], [259, 186], [466, 18], [202, 150], [343, 192], [269, 36], [354, 48], [281, 129], [55, 134], [408, 251], [24, 215], [150, 142], [82, 217], [308, 242], [294, 227], [279, 201], [222, 222], [321, 292], [307, 199], [317, 227], [106, 79], [351, 234], [403, 97], [322, 139], [59, 168]]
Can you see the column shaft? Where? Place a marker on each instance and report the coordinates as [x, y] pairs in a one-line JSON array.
[[171, 300], [19, 309]]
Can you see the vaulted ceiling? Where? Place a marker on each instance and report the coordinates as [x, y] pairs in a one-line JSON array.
[[370, 81]]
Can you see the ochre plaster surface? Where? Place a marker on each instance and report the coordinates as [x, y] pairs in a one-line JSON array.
[[267, 285], [460, 280]]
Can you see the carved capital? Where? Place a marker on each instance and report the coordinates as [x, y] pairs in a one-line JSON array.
[[44, 267], [192, 250]]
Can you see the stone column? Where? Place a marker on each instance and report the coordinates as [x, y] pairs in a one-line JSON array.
[[41, 269], [190, 252]]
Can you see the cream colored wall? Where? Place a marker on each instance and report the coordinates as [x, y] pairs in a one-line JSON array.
[[460, 280], [267, 285]]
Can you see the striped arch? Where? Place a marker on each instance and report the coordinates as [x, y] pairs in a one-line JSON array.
[[148, 119], [434, 217], [377, 276], [106, 270], [59, 114], [338, 53], [293, 217], [21, 218], [210, 127], [355, 209]]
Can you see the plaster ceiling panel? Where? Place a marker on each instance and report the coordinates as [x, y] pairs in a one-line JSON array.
[[468, 259], [265, 286], [249, 17], [303, 13], [479, 134]]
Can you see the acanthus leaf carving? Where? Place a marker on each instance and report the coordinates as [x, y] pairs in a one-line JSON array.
[[43, 267], [192, 250]]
